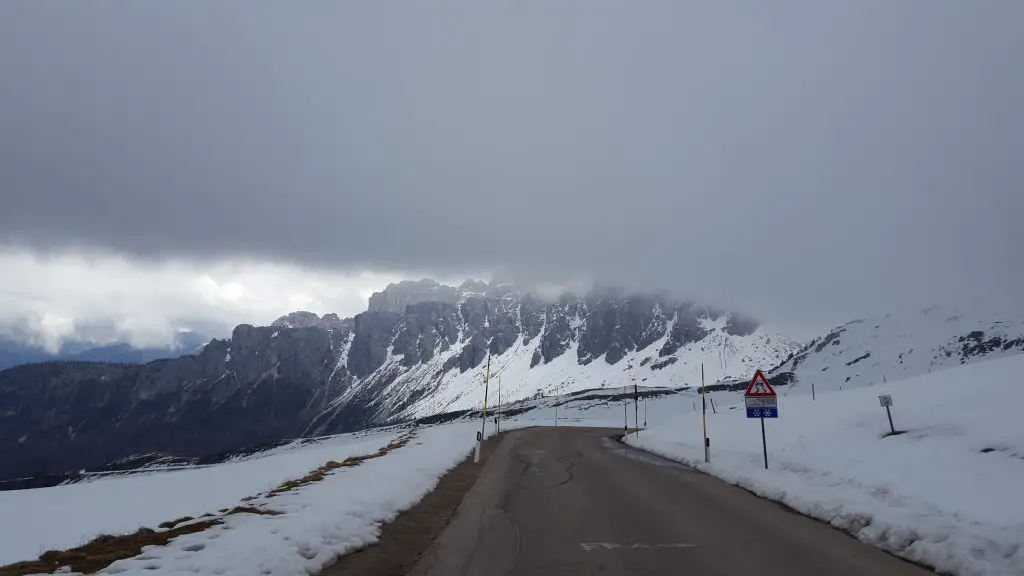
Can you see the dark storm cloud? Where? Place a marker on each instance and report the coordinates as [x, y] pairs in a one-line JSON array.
[[803, 159]]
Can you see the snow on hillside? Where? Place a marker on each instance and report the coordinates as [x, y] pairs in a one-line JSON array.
[[945, 493], [319, 522], [311, 526], [724, 356], [897, 346], [33, 521]]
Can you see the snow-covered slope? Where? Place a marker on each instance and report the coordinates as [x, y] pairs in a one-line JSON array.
[[723, 356], [945, 493], [901, 345], [434, 357], [61, 517]]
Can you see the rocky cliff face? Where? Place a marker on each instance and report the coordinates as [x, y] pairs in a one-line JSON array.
[[397, 297], [421, 348]]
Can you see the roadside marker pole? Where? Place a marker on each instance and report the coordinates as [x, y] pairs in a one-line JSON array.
[[813, 395], [556, 415], [636, 410], [483, 418], [487, 381], [645, 412], [497, 419], [625, 419], [704, 417]]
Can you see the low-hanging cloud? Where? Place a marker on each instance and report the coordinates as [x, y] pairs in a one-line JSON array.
[[105, 298], [800, 160]]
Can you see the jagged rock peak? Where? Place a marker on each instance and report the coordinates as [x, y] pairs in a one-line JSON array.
[[333, 322], [476, 286], [300, 319], [304, 319], [396, 297]]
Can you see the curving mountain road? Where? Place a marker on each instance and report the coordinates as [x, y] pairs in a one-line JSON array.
[[574, 501]]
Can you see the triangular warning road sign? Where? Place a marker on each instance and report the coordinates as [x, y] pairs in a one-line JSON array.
[[759, 386]]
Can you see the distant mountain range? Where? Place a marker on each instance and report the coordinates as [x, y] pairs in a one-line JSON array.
[[14, 353], [420, 349]]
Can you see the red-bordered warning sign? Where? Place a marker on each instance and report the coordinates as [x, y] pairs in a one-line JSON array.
[[759, 386]]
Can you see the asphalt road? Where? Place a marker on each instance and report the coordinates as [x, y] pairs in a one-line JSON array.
[[574, 501]]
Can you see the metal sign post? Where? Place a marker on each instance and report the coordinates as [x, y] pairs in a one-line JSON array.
[[764, 444], [886, 401], [761, 402]]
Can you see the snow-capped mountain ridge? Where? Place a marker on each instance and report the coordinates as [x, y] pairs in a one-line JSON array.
[[435, 357]]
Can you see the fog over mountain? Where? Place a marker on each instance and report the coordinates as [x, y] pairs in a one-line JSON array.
[[808, 162]]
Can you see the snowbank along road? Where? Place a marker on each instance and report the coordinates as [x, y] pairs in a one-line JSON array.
[[575, 501]]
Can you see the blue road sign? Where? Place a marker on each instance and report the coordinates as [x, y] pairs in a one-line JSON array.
[[762, 412]]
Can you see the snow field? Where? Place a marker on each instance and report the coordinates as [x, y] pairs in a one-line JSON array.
[[318, 522], [62, 517], [903, 345], [946, 493]]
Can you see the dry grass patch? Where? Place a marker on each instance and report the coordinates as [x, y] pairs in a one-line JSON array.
[[173, 523], [321, 472], [102, 551], [252, 510]]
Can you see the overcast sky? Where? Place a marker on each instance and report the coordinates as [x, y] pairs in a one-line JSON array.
[[807, 162]]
